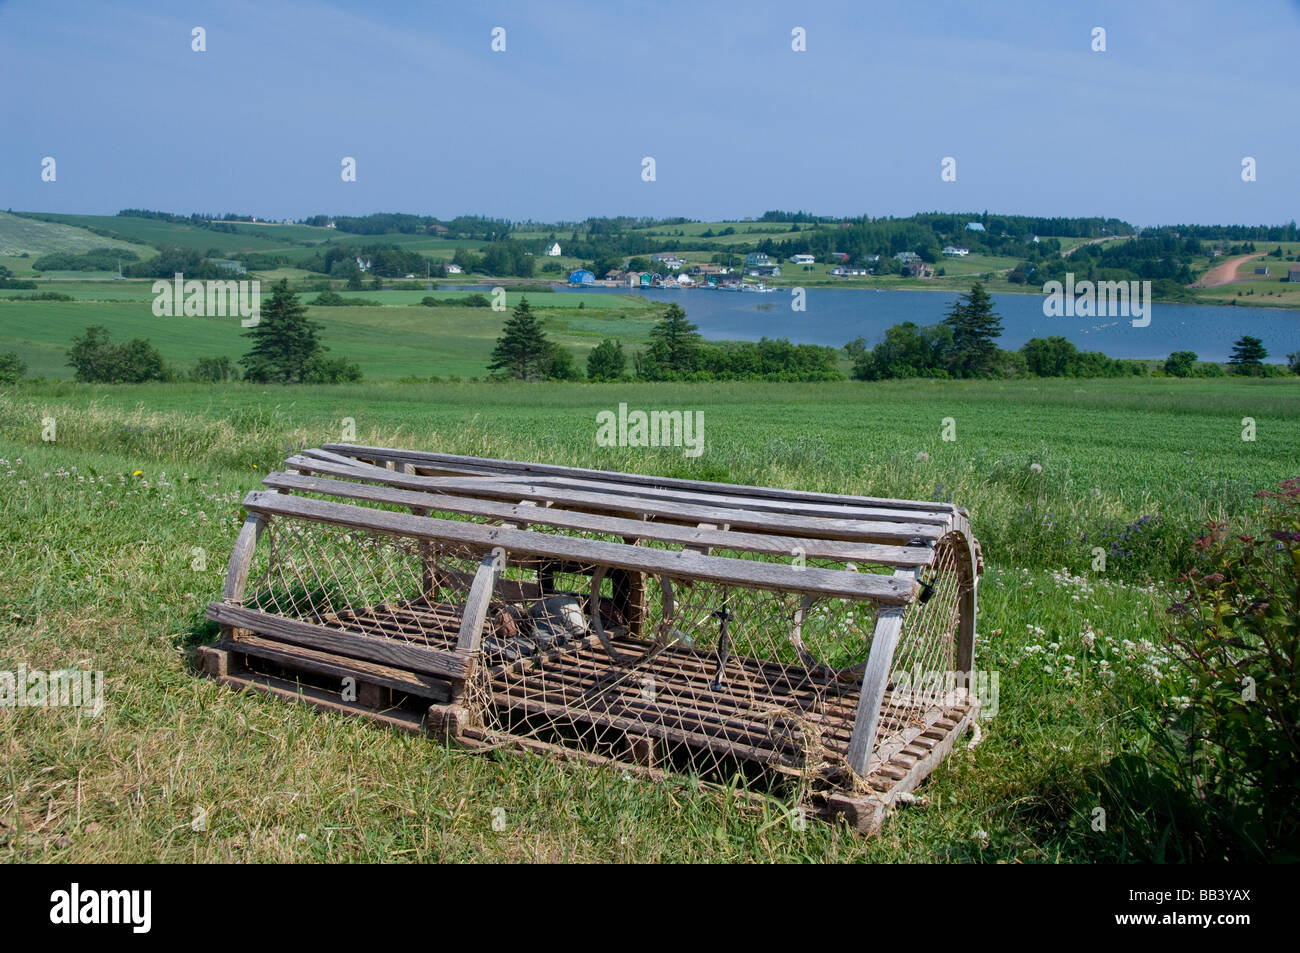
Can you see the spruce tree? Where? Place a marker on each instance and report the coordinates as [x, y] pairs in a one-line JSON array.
[[1248, 355], [522, 351], [975, 329], [675, 342], [284, 340]]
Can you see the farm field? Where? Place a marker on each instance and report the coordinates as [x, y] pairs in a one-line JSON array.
[[98, 570], [402, 339]]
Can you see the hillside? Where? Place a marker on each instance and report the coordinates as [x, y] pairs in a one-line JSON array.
[[20, 235]]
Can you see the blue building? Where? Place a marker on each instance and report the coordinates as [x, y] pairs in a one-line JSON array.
[[582, 277]]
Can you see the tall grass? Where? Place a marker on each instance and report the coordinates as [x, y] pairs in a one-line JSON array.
[[98, 569]]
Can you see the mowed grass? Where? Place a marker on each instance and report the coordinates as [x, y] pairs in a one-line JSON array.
[[402, 339], [98, 570]]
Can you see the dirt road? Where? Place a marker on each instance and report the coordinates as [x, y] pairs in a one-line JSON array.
[[1222, 274]]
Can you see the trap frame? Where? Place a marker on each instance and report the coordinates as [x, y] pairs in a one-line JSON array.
[[817, 646]]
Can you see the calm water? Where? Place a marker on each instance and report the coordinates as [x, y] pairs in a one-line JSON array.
[[835, 316]]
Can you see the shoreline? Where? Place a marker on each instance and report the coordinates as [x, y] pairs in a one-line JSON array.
[[832, 287]]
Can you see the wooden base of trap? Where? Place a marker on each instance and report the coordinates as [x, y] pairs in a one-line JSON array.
[[911, 748]]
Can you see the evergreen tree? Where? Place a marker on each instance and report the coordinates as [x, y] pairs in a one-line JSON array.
[[12, 367], [1248, 355], [674, 343], [522, 351], [284, 340], [975, 329]]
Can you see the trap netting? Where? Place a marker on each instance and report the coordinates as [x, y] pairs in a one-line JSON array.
[[657, 670]]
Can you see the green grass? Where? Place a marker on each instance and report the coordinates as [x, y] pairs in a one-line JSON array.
[[404, 340], [96, 569]]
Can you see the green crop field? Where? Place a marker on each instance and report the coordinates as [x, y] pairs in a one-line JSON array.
[[102, 524]]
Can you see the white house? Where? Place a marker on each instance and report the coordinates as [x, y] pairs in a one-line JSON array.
[[804, 259], [453, 269], [553, 249], [952, 251]]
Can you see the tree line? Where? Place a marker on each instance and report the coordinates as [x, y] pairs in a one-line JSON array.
[[676, 352], [964, 345], [285, 348]]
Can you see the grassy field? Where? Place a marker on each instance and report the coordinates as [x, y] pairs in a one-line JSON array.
[[97, 570], [401, 339]]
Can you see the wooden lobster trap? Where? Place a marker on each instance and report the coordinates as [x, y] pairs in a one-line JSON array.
[[818, 646]]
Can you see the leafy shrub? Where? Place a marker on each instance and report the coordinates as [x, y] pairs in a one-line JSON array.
[[42, 296], [606, 361], [469, 301], [1181, 364], [96, 360], [327, 370], [214, 370], [97, 259], [1215, 778], [332, 299], [1237, 632]]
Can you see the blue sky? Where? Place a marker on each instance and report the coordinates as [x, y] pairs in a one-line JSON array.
[[555, 128]]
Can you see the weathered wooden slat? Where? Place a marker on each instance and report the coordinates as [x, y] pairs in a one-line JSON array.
[[793, 507], [449, 665], [241, 558], [702, 536], [886, 590], [889, 623], [337, 666], [810, 526], [290, 691], [489, 465], [938, 514], [476, 603]]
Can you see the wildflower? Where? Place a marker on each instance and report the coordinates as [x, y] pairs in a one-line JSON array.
[[922, 456], [137, 473], [1035, 468]]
